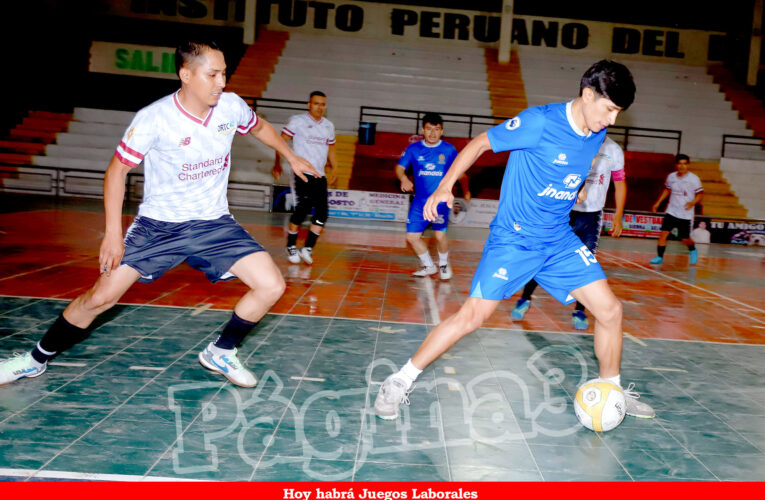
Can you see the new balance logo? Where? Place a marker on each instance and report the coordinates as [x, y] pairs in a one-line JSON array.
[[24, 371], [184, 142]]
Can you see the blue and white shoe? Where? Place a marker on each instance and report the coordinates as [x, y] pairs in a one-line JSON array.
[[520, 309], [579, 318], [694, 256], [656, 260], [20, 366], [229, 366]]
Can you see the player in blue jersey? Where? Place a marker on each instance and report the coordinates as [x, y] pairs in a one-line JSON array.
[[553, 147], [430, 159]]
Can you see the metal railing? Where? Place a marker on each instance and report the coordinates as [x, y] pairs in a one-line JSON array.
[[742, 140], [366, 113], [63, 182]]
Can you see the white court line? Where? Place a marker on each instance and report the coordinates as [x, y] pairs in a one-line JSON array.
[[435, 318], [150, 368], [65, 363], [634, 339], [200, 309], [87, 476], [660, 369], [672, 278], [309, 379]]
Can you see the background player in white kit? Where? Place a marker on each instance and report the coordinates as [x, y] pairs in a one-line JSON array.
[[685, 191], [586, 218], [313, 138], [184, 141]]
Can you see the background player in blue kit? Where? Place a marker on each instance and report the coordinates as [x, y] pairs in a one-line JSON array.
[[430, 159], [553, 147]]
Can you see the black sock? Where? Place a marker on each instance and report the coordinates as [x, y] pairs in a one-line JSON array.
[[234, 332], [310, 241], [291, 239], [691, 248], [61, 335], [579, 306], [660, 249], [529, 289]]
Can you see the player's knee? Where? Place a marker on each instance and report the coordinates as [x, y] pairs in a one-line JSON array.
[[320, 216], [609, 312], [98, 299], [412, 238], [274, 289]]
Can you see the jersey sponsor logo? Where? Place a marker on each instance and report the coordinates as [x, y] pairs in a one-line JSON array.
[[513, 123], [501, 274], [226, 128], [561, 159], [572, 181], [551, 192], [185, 141]]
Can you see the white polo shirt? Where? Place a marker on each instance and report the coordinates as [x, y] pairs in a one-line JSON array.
[[311, 139], [683, 189], [609, 162], [186, 160]]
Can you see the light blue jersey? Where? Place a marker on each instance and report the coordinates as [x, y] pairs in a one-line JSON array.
[[549, 162], [429, 165], [530, 236]]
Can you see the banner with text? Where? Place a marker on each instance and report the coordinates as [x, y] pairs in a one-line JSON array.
[[420, 25], [133, 60]]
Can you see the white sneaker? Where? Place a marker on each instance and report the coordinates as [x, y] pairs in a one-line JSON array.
[[392, 393], [20, 366], [292, 254], [634, 407], [229, 366], [425, 271], [446, 271], [306, 253]]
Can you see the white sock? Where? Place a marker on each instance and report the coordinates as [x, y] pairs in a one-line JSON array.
[[615, 380], [443, 258], [426, 260], [409, 373], [217, 350]]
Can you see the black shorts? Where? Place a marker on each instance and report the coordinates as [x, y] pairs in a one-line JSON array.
[[211, 246], [587, 225], [311, 196], [683, 226]]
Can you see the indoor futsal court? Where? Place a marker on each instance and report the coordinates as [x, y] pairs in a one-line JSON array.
[[133, 403]]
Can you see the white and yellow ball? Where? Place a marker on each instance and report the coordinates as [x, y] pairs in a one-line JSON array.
[[599, 405]]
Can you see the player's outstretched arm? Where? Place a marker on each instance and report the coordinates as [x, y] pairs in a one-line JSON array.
[[469, 154], [265, 133], [276, 171], [112, 246]]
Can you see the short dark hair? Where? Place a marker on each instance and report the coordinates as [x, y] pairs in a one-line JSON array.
[[611, 80], [679, 157], [316, 93], [432, 118], [190, 50]]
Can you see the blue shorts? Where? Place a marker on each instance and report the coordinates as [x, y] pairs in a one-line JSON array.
[[560, 266], [211, 246], [587, 225], [416, 223]]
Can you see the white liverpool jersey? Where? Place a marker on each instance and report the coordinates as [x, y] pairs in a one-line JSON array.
[[683, 189], [609, 162], [311, 139], [186, 160]]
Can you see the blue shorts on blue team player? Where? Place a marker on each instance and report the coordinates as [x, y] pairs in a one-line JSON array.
[[560, 266], [153, 247], [416, 223]]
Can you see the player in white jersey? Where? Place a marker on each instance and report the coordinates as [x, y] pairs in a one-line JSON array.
[[313, 138], [586, 218], [685, 192], [184, 141]]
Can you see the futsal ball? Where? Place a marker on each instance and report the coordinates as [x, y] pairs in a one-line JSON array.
[[600, 405]]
